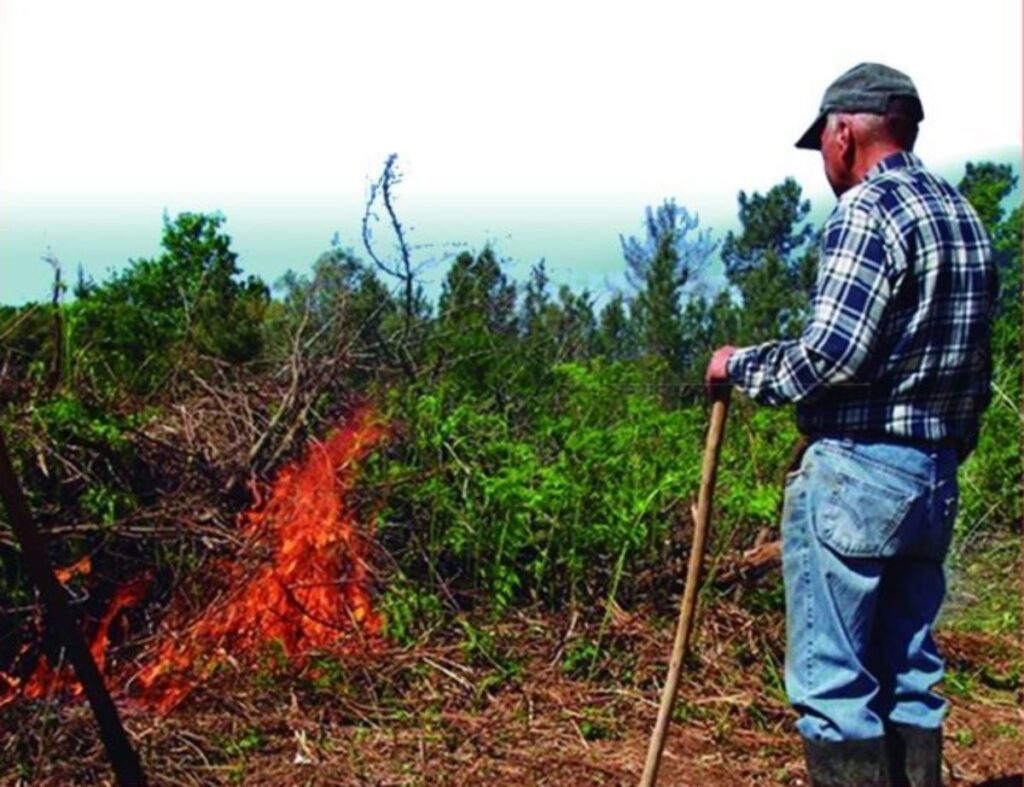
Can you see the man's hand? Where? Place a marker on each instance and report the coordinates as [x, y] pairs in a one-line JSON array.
[[716, 374]]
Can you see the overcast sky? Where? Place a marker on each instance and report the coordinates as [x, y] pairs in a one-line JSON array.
[[544, 127]]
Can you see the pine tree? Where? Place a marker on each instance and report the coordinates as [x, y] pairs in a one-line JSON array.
[[659, 267], [771, 262]]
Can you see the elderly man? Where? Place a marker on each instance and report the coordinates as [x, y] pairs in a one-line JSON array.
[[890, 378]]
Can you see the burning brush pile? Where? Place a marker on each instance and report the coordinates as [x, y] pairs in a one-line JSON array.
[[300, 581]]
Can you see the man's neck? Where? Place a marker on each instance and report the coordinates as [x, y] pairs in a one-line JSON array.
[[869, 159]]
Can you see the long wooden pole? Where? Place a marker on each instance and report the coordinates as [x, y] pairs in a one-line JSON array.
[[719, 409], [123, 759]]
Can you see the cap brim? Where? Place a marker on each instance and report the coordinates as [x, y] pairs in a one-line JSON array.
[[811, 140]]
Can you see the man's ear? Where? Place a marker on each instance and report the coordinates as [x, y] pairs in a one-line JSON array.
[[845, 142]]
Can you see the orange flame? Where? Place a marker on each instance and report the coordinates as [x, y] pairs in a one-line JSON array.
[[44, 680], [83, 566], [311, 591]]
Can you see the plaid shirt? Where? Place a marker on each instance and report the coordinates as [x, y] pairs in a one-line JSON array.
[[898, 341]]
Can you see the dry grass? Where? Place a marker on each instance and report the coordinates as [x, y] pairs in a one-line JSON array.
[[522, 702]]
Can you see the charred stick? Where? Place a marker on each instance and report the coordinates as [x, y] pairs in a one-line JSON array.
[[123, 758]]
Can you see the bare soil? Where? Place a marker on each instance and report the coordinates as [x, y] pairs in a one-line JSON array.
[[525, 702]]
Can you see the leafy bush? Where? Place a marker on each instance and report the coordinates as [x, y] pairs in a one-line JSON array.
[[577, 502], [130, 332]]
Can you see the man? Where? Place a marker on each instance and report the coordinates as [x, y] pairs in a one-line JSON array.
[[890, 378]]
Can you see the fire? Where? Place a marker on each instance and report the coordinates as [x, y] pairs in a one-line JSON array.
[[82, 567], [301, 581], [309, 590], [44, 680]]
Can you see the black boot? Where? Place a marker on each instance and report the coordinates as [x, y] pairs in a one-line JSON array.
[[915, 755], [847, 763]]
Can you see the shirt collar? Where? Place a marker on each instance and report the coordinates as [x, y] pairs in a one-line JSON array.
[[903, 158]]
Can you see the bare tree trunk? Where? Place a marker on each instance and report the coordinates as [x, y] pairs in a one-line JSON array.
[[402, 271], [57, 329]]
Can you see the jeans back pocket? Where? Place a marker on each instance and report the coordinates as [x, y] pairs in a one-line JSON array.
[[858, 509]]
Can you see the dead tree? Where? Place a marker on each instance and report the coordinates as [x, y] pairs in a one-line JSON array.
[[57, 327], [400, 269]]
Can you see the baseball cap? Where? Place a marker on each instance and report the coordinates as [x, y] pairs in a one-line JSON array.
[[867, 87]]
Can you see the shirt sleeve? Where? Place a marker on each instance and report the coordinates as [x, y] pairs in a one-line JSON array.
[[850, 298]]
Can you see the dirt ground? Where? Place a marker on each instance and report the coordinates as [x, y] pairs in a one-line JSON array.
[[529, 702]]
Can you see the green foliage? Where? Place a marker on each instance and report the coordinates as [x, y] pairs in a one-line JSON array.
[[757, 450], [659, 267], [560, 506], [476, 295], [1004, 729], [986, 186], [616, 340], [579, 657], [476, 333], [130, 332], [769, 224], [105, 504], [1006, 237], [552, 331], [483, 648], [27, 348], [771, 262], [86, 433], [409, 611], [598, 724], [979, 575], [989, 479], [965, 736], [235, 750], [66, 419]]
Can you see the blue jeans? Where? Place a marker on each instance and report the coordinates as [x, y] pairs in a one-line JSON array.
[[865, 527]]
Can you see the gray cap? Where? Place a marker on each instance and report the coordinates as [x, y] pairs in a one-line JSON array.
[[867, 87]]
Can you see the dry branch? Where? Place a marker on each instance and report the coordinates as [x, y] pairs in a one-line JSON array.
[[751, 564]]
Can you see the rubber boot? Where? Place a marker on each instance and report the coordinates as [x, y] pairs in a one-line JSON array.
[[860, 763], [915, 755]]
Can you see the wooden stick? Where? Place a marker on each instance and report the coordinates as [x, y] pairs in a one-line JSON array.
[[719, 408], [61, 619]]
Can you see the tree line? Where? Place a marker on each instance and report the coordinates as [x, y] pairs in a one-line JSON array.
[[544, 446]]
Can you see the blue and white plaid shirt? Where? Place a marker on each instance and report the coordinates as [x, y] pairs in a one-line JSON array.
[[898, 341]]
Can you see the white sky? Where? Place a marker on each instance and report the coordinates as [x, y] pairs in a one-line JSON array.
[[520, 104]]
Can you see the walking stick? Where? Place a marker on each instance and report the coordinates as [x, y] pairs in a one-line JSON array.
[[123, 759], [719, 408]]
